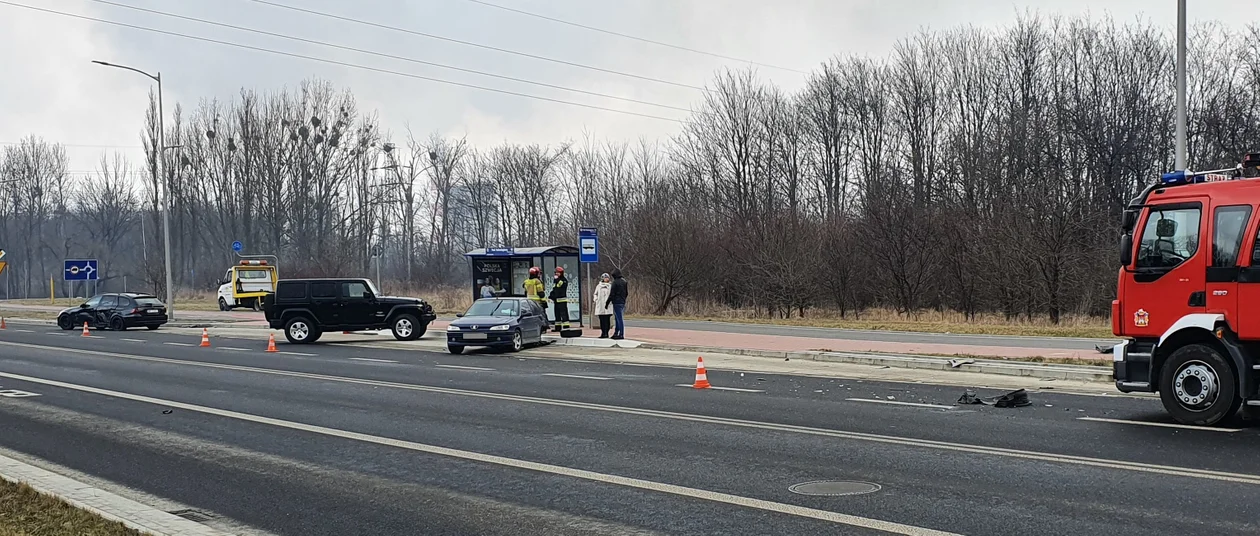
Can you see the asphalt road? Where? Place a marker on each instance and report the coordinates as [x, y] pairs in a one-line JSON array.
[[341, 439]]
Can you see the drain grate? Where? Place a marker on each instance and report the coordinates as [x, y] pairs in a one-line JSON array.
[[834, 488], [193, 515]]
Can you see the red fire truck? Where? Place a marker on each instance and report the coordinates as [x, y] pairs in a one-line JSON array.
[[1188, 300]]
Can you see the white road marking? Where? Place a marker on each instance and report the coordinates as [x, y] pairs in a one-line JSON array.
[[1160, 424], [14, 393], [299, 354], [133, 340], [462, 367], [660, 487], [372, 360], [896, 403], [23, 331], [965, 448], [178, 343], [578, 376], [231, 349], [716, 388]]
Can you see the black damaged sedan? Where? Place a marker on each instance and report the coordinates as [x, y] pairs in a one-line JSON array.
[[115, 311]]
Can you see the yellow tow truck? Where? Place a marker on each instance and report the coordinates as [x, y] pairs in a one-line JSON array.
[[245, 284]]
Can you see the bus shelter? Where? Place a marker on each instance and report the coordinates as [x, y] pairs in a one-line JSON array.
[[506, 269]]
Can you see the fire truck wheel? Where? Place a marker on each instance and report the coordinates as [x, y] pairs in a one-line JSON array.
[[1198, 386]]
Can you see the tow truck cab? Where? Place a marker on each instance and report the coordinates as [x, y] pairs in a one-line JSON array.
[[245, 284], [1188, 298]]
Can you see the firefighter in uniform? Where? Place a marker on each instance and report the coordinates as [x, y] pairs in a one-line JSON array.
[[535, 289], [560, 295]]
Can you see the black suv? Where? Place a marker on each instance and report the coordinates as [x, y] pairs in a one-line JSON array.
[[306, 308], [115, 311]]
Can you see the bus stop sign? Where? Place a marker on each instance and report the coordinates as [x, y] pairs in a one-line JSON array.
[[588, 245]]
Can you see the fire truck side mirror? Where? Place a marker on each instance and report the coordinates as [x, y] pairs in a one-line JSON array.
[[1129, 219], [1126, 249]]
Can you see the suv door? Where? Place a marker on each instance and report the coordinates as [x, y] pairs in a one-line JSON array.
[[324, 304], [359, 308], [1166, 278]]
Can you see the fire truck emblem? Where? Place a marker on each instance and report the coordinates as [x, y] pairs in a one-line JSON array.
[[1141, 318]]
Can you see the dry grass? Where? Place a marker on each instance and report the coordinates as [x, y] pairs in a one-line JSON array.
[[26, 512], [889, 320]]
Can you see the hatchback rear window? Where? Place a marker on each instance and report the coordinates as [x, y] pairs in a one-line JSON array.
[[148, 302]]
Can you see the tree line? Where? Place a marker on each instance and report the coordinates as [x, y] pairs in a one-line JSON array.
[[969, 170]]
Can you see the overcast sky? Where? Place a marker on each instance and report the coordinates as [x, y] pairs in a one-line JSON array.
[[50, 89]]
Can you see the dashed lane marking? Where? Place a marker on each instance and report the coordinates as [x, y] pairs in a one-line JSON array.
[[298, 354], [133, 340], [503, 461], [716, 388], [897, 403], [372, 360], [1160, 424], [462, 367], [577, 376], [178, 343], [231, 349]]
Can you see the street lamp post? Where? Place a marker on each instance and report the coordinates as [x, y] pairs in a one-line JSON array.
[[1181, 85], [161, 171]]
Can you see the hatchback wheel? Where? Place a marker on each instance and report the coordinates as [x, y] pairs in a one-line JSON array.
[[455, 349], [65, 323], [118, 324]]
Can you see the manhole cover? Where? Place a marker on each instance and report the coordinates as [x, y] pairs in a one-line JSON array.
[[834, 488]]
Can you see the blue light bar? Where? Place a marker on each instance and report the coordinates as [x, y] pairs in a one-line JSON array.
[[1175, 177]]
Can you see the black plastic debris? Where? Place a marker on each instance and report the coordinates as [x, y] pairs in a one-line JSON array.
[[1104, 349], [955, 363], [1013, 399]]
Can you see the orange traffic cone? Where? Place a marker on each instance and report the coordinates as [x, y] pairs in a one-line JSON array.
[[85, 330], [205, 338], [271, 342], [702, 378], [2, 324]]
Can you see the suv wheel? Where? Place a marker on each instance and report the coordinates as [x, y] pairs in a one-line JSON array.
[[223, 306], [1198, 386], [407, 328], [300, 330]]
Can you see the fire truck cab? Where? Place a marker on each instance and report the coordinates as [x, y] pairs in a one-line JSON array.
[[1188, 299]]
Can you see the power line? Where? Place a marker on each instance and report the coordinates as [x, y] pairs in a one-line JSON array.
[[633, 37], [340, 63], [390, 56], [478, 45]]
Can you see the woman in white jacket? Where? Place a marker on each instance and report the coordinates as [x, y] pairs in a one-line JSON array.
[[602, 308]]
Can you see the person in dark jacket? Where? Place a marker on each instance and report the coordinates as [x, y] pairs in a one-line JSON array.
[[560, 296], [617, 298]]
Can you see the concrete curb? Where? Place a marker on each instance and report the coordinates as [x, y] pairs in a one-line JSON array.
[[982, 366], [134, 515]]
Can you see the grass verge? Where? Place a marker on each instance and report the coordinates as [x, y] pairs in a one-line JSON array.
[[26, 512], [1084, 331]]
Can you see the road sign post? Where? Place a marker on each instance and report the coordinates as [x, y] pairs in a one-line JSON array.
[[588, 254]]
